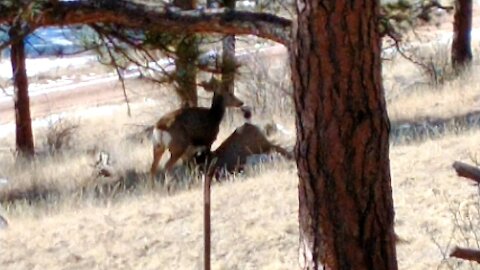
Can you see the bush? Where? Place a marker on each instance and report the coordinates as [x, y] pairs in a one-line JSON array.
[[60, 134]]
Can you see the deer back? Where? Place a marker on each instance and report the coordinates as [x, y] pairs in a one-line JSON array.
[[196, 124], [244, 141]]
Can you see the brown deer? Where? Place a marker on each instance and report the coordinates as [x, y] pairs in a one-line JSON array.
[[189, 128], [245, 141]]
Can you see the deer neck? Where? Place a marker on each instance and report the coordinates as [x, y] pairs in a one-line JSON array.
[[217, 110]]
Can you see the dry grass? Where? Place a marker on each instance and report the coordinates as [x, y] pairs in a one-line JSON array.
[[250, 230], [412, 96], [425, 188], [254, 221]]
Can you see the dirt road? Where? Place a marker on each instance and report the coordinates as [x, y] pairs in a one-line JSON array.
[[64, 99]]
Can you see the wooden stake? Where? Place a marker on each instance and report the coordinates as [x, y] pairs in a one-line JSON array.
[[206, 220]]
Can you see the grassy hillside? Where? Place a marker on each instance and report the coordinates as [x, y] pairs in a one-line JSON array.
[[254, 220], [73, 222]]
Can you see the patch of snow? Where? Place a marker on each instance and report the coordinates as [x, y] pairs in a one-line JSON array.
[[9, 128], [36, 66], [3, 182], [245, 4]]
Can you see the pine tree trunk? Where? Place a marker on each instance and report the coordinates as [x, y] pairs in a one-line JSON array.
[[24, 135], [186, 70], [346, 208], [228, 56], [462, 26]]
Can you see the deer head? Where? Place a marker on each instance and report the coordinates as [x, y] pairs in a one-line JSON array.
[[215, 86]]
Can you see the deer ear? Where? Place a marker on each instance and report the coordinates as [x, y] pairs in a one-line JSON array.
[[206, 85], [210, 85]]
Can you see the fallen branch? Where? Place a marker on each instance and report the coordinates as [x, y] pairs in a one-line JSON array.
[[466, 254], [467, 171]]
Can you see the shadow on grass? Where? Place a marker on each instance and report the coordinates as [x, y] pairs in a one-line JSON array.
[[407, 131], [101, 188], [96, 187], [110, 187], [31, 194]]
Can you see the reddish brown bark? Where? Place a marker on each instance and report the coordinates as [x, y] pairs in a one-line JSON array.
[[467, 171], [462, 27], [207, 230], [346, 208], [23, 121], [466, 254]]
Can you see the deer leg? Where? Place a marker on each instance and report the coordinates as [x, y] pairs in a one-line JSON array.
[[171, 162], [191, 152], [282, 151], [176, 152], [158, 151]]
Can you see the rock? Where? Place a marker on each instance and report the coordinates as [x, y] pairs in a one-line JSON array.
[[3, 182], [3, 223]]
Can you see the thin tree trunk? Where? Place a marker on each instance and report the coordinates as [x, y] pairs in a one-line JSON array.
[[24, 135], [228, 57], [346, 208], [462, 27], [211, 3], [186, 70]]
